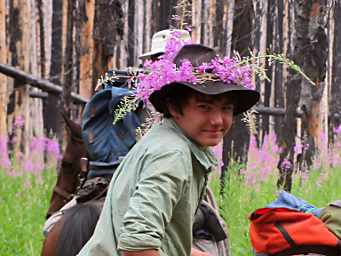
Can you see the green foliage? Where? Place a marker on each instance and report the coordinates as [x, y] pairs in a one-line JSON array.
[[24, 201], [239, 200], [127, 104], [255, 62]]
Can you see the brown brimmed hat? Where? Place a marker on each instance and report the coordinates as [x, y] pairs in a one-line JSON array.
[[197, 54]]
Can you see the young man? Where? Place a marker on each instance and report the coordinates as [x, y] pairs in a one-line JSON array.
[[154, 193]]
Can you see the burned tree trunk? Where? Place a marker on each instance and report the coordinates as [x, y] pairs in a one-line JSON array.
[[309, 53], [280, 41], [3, 80], [19, 41], [260, 37], [87, 11], [315, 60], [335, 94], [235, 145], [68, 58], [51, 108], [106, 36]]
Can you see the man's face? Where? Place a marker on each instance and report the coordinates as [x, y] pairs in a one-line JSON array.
[[205, 119]]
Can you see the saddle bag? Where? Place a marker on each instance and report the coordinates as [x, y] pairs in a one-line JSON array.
[[331, 216], [93, 189], [283, 231]]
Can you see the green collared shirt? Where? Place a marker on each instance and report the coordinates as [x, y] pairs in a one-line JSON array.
[[153, 196]]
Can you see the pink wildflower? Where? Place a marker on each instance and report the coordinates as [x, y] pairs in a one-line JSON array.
[[337, 130], [164, 71], [286, 164], [19, 121], [4, 159]]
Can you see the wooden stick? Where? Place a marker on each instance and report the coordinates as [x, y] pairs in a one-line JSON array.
[[273, 111], [37, 82], [40, 95]]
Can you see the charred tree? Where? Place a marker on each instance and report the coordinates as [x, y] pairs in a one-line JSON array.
[[51, 107], [19, 41], [3, 80], [87, 10], [278, 41], [309, 52], [107, 36], [235, 145], [68, 58], [315, 61], [335, 107]]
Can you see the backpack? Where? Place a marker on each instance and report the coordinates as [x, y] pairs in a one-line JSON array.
[[108, 143], [283, 231]]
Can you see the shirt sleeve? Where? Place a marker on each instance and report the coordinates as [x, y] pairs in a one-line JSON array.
[[158, 190]]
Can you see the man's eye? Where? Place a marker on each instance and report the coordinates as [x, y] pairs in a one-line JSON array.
[[204, 107], [228, 108]]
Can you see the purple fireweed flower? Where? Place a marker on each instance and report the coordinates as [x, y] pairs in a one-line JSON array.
[[188, 28], [298, 148], [4, 159], [218, 152], [286, 164], [52, 148], [28, 166], [38, 166], [37, 145], [19, 121], [337, 130], [163, 71]]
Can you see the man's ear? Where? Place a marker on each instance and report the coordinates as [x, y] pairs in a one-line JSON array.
[[172, 110]]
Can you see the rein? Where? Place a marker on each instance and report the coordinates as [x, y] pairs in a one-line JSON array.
[[60, 191], [77, 139], [66, 195]]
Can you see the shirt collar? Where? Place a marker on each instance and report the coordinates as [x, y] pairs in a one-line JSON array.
[[204, 155]]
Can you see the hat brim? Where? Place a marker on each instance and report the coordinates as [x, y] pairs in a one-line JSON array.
[[151, 53], [245, 98]]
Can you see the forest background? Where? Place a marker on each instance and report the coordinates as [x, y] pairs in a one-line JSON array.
[[63, 47], [52, 52]]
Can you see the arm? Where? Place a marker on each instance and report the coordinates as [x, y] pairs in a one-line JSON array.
[[142, 253], [196, 252], [158, 189]]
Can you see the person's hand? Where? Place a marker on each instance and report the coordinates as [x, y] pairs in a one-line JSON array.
[[196, 252]]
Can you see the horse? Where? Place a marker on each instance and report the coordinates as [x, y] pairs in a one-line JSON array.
[[73, 230], [68, 176], [77, 224]]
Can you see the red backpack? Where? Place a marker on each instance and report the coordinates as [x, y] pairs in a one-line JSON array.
[[282, 231]]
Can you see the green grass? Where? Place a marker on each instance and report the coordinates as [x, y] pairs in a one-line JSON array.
[[23, 204], [24, 200], [240, 200]]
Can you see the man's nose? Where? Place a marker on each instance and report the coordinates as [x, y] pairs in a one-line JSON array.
[[217, 117]]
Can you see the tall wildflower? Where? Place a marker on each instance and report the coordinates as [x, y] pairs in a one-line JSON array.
[[262, 161], [53, 154], [5, 163], [35, 160]]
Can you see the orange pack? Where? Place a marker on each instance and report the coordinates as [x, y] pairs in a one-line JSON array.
[[282, 231]]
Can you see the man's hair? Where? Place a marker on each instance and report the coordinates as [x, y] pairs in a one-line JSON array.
[[177, 95]]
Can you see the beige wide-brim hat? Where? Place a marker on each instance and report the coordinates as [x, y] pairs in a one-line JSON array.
[[160, 39], [245, 98]]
